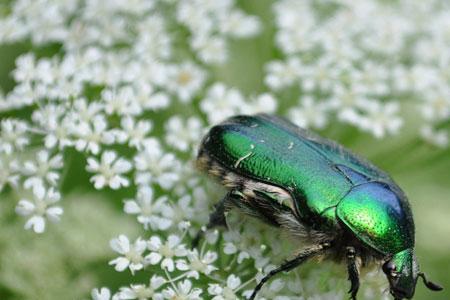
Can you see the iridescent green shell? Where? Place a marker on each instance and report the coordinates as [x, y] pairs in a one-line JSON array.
[[328, 183]]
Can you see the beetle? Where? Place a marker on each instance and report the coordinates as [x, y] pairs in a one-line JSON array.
[[340, 204]]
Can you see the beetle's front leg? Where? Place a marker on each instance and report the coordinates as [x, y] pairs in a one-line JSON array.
[[353, 272]]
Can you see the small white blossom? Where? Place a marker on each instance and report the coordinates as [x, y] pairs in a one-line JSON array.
[[13, 135], [155, 166], [439, 138], [237, 24], [84, 111], [210, 49], [198, 263], [264, 103], [436, 106], [121, 102], [184, 291], [381, 119], [40, 208], [282, 74], [132, 254], [310, 114], [185, 80], [221, 102], [9, 171], [165, 253], [102, 294], [228, 292], [133, 132], [142, 291], [92, 135], [110, 170], [183, 134], [151, 213], [183, 210], [147, 98], [43, 170], [57, 125]]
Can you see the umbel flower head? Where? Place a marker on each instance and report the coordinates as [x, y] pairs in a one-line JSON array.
[[40, 208], [114, 97]]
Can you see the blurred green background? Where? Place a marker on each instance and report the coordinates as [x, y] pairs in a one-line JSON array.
[[71, 258]]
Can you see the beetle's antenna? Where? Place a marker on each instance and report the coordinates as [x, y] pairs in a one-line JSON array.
[[431, 285]]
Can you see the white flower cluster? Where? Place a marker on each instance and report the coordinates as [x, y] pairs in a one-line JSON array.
[[361, 61], [130, 87], [183, 269], [100, 96]]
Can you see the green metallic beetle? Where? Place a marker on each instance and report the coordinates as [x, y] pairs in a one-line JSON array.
[[341, 205]]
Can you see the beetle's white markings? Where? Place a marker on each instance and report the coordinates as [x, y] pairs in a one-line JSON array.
[[254, 125], [291, 145], [262, 141], [242, 158], [252, 146]]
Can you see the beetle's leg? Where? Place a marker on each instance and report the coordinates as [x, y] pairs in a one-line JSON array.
[[353, 273], [292, 264], [217, 217]]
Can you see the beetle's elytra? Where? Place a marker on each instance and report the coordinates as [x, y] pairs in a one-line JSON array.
[[345, 207]]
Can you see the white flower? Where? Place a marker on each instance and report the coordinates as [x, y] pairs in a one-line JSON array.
[[310, 114], [245, 244], [264, 103], [221, 102], [381, 119], [142, 291], [295, 20], [436, 106], [347, 102], [84, 111], [13, 135], [153, 39], [121, 102], [227, 292], [323, 75], [102, 294], [181, 134], [198, 263], [184, 291], [439, 138], [165, 253], [25, 68], [133, 132], [155, 166], [58, 125], [40, 208], [185, 80], [372, 79], [150, 213], [230, 248], [110, 170], [182, 210], [132, 254], [92, 135], [237, 24], [9, 171], [281, 74], [42, 170], [210, 49], [148, 99]]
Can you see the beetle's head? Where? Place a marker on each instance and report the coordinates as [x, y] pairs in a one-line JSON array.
[[402, 272]]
